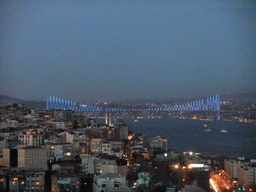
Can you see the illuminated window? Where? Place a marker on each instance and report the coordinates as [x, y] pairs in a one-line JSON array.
[[37, 183], [68, 154], [1, 180], [52, 147], [15, 179], [22, 183]]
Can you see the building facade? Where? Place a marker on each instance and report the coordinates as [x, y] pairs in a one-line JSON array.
[[31, 137]]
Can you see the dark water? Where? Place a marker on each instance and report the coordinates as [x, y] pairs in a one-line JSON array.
[[186, 134]]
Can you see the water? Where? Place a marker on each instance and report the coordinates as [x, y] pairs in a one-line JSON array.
[[186, 135]]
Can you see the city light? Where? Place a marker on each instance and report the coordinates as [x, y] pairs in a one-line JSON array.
[[213, 185], [196, 166], [176, 166]]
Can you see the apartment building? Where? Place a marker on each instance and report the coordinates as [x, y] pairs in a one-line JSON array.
[[247, 173], [106, 148], [110, 182], [159, 143], [87, 162], [96, 145], [35, 180], [31, 137], [32, 157], [63, 182], [231, 167]]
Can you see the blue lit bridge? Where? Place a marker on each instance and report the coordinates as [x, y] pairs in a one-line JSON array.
[[209, 104]]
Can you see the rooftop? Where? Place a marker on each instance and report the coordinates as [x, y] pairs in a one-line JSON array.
[[109, 175]]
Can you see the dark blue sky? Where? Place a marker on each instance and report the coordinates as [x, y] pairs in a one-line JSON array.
[[112, 50]]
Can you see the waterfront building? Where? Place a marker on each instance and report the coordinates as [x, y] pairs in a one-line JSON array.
[[158, 143]]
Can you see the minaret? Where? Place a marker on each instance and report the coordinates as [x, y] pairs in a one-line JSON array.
[[106, 118], [110, 120]]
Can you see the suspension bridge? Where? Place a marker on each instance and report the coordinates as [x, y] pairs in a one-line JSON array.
[[211, 103]]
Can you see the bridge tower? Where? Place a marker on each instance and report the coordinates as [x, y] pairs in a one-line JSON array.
[[106, 118], [218, 107]]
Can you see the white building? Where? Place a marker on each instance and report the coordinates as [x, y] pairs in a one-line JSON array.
[[67, 136], [31, 137], [159, 143], [106, 148], [231, 167], [110, 182], [87, 161], [247, 174], [104, 166]]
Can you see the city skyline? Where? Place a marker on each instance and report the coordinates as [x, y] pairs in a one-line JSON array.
[[86, 51]]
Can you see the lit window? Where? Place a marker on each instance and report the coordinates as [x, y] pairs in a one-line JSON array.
[[37, 183]]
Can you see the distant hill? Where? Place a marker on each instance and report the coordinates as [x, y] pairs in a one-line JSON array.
[[6, 99], [27, 104], [247, 97]]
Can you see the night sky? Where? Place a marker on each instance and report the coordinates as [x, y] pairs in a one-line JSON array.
[[115, 50]]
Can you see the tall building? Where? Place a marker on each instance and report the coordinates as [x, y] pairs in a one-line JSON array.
[[231, 167]]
